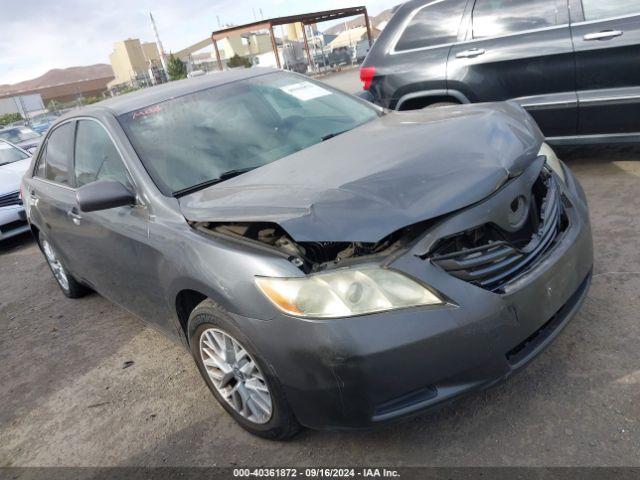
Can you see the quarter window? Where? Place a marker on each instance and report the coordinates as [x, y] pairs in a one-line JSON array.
[[434, 24], [96, 156], [601, 9], [57, 154], [494, 18]]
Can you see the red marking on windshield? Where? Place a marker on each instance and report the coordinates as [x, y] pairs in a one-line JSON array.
[[146, 112]]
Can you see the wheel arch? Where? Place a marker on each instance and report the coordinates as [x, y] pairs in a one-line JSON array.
[[424, 98], [185, 302]]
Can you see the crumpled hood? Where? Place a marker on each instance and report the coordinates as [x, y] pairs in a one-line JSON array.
[[365, 184], [11, 175]]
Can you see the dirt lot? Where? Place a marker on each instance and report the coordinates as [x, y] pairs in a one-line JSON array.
[[65, 398]]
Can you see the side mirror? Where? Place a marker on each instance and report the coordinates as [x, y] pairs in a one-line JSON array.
[[103, 195]]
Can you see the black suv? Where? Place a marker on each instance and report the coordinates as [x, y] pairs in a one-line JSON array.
[[573, 64]]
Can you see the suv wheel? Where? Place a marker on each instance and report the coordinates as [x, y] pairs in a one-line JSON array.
[[236, 375], [67, 283]]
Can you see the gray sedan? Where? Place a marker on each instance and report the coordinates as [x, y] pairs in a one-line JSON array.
[[327, 263]]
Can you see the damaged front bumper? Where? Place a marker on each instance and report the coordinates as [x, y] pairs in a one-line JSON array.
[[359, 372]]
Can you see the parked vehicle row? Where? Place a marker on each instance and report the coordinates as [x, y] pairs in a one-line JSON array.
[[22, 136], [328, 263], [573, 64]]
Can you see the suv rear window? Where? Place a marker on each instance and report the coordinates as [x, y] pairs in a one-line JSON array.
[[493, 18], [601, 9], [436, 23]]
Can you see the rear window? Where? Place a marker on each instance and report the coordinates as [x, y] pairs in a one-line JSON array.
[[57, 156], [493, 18], [17, 135], [436, 23], [10, 154], [601, 9]]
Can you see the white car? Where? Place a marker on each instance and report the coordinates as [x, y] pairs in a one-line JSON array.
[[14, 162]]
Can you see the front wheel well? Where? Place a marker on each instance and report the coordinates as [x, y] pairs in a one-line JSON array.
[[35, 232], [423, 102], [186, 302]]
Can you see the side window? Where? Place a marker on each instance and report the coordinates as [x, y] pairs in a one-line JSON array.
[[96, 156], [435, 24], [493, 18], [57, 155], [41, 169], [601, 9]]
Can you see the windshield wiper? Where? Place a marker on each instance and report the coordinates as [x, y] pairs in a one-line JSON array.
[[331, 135], [223, 176]]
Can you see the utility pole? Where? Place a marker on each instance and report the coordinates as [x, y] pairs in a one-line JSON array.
[[158, 43]]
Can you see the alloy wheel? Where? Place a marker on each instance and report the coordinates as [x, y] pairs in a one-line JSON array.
[[56, 267], [235, 375]]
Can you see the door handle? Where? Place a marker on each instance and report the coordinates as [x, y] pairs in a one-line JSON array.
[[33, 198], [604, 35], [75, 218], [474, 52]]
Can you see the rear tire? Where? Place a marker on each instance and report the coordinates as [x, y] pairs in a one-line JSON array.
[[71, 287], [261, 407], [440, 104]]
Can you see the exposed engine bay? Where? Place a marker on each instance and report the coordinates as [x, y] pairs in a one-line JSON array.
[[311, 256]]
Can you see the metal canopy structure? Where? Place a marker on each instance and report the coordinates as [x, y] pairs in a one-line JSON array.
[[304, 19]]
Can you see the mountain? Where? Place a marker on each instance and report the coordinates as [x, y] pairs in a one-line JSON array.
[[60, 76], [359, 22]]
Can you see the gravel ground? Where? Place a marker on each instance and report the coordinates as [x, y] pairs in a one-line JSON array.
[[66, 400]]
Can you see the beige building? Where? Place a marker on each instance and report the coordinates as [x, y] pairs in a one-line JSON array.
[[132, 61], [248, 45], [245, 45], [351, 37]]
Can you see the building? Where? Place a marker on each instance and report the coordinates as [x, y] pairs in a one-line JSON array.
[[25, 105], [135, 64], [351, 37], [64, 85], [201, 56]]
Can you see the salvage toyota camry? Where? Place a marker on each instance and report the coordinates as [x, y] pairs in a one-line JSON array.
[[328, 263]]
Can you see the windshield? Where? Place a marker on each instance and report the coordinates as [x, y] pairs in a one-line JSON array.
[[192, 141], [10, 154], [17, 135]]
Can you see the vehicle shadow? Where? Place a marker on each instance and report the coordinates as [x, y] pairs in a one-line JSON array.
[[10, 245]]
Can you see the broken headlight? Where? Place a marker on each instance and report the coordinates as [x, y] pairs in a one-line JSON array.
[[346, 293], [553, 162]]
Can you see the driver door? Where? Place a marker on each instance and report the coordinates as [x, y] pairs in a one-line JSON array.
[[113, 245]]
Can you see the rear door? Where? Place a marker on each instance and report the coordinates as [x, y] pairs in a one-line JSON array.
[[51, 194], [519, 50], [606, 35]]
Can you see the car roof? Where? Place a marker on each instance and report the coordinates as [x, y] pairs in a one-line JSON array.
[[150, 96]]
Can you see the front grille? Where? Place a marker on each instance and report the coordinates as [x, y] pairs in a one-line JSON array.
[[10, 199], [490, 257]]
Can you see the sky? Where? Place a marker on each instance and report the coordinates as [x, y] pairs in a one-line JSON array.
[[38, 35]]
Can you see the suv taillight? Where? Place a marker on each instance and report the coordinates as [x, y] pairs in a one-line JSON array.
[[366, 75]]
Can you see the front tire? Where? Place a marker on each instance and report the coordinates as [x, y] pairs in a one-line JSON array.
[[238, 378], [71, 287]]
